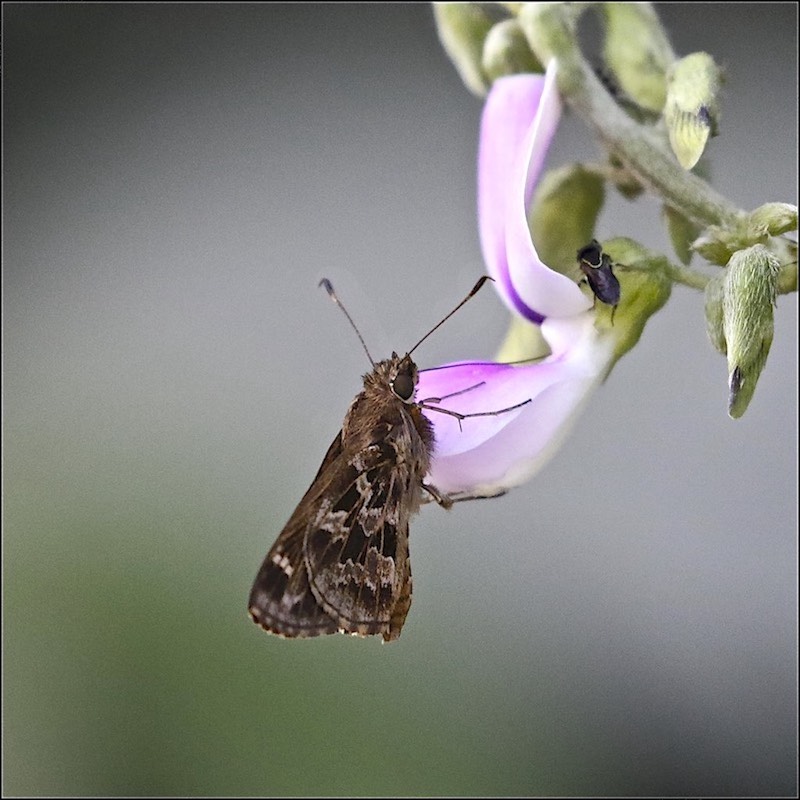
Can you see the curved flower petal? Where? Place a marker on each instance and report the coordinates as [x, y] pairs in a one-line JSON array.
[[477, 388], [507, 116], [506, 420], [519, 120], [488, 454]]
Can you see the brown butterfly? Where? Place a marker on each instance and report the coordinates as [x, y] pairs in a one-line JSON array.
[[341, 563]]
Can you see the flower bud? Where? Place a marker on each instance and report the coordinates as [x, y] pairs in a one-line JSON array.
[[775, 218], [691, 110], [623, 180], [748, 301], [637, 52], [717, 244], [563, 215], [713, 245], [546, 29], [462, 29], [506, 52]]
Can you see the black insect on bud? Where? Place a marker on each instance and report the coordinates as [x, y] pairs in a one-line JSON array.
[[597, 268]]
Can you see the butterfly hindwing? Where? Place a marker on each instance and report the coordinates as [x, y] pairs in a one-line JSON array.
[[356, 550]]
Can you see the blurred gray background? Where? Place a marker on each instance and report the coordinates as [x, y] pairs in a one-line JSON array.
[[177, 179]]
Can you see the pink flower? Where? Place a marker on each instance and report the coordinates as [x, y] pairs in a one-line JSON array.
[[485, 455]]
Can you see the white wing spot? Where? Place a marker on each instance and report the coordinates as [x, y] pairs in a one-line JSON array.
[[283, 564]]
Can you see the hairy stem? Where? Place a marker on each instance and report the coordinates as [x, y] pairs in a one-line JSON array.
[[550, 28]]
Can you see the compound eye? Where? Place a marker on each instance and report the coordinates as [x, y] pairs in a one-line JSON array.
[[403, 386], [591, 255]]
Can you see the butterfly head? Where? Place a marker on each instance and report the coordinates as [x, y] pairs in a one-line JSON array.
[[403, 377]]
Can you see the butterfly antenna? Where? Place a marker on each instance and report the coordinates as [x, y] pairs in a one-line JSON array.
[[475, 289], [329, 289]]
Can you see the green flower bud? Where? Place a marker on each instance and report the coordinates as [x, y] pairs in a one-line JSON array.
[[637, 52], [749, 297], [717, 244], [715, 290], [547, 29], [644, 289], [775, 218], [506, 51], [714, 245], [462, 29], [563, 215], [691, 110]]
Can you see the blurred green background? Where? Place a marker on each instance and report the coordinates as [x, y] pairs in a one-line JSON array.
[[177, 178]]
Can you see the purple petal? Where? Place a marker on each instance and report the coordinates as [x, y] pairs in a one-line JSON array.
[[517, 451], [482, 387], [488, 453], [519, 120], [507, 115]]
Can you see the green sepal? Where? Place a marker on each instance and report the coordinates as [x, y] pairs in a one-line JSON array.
[[717, 244], [547, 29]]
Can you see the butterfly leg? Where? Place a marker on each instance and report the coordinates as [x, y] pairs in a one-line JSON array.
[[442, 499], [460, 497]]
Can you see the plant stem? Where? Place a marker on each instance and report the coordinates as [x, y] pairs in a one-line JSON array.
[[688, 277], [550, 29]]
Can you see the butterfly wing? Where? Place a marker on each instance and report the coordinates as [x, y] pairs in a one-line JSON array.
[[281, 600], [341, 562], [356, 550]]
